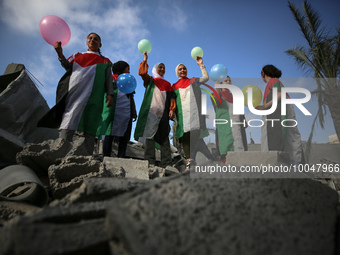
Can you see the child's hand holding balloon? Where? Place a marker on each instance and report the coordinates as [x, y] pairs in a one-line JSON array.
[[58, 49]]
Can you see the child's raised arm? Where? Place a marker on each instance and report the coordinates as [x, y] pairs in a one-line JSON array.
[[64, 62], [143, 69]]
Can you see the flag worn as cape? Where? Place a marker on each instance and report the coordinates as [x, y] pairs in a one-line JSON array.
[[275, 135], [153, 117], [80, 93], [231, 136], [188, 106]]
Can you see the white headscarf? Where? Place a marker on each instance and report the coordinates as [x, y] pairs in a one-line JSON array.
[[177, 70], [154, 71]]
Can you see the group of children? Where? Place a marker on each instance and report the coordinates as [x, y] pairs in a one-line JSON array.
[[88, 100]]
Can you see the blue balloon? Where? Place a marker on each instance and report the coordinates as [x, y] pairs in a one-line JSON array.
[[218, 72], [126, 83]]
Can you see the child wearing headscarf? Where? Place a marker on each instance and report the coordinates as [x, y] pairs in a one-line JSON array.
[[117, 121], [157, 108], [190, 120]]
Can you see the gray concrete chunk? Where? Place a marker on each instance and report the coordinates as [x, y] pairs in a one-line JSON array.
[[224, 216], [134, 168]]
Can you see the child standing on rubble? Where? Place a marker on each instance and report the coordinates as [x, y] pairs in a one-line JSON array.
[[118, 118], [80, 93], [157, 108]]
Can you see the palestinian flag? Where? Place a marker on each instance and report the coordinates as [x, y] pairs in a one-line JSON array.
[[188, 112], [153, 118], [115, 119], [230, 137], [80, 95], [274, 135]]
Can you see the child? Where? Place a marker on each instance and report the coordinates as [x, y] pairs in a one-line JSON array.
[[190, 119], [80, 93], [229, 138], [157, 108], [275, 137], [120, 115]]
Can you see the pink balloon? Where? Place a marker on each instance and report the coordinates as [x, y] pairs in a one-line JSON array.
[[54, 29]]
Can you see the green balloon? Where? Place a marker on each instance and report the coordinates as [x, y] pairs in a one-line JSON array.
[[144, 46], [196, 52], [257, 95]]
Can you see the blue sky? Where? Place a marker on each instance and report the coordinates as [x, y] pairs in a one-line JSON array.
[[243, 35]]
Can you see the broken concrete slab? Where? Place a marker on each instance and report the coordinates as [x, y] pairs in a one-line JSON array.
[[70, 173], [10, 146], [134, 168], [251, 158], [39, 157], [156, 172], [76, 229], [224, 216], [99, 189], [169, 171], [11, 209]]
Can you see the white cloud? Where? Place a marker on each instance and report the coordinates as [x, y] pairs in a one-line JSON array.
[[173, 16], [119, 23]]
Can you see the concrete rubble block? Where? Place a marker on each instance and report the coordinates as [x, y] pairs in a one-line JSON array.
[[10, 210], [156, 172], [169, 171], [10, 146], [76, 229], [179, 162], [181, 215], [134, 168], [100, 189], [39, 157], [251, 158], [70, 173]]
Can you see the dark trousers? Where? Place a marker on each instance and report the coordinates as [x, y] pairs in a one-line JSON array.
[[150, 154], [122, 143]]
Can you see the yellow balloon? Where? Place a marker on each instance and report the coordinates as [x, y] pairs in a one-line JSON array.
[[256, 93]]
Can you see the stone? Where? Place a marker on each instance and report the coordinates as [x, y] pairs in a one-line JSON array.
[[39, 157], [169, 171], [99, 189], [70, 173], [77, 229], [10, 146], [224, 216], [134, 168], [251, 158]]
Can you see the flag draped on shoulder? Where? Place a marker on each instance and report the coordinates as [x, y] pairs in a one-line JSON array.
[[274, 135], [115, 119], [230, 137], [188, 111], [80, 92], [153, 118]]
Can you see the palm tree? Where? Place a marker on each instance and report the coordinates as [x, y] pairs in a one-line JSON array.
[[322, 60]]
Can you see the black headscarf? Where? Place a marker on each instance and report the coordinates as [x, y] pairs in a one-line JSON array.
[[119, 67]]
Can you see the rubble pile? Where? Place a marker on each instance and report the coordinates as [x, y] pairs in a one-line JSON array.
[[121, 206], [56, 199]]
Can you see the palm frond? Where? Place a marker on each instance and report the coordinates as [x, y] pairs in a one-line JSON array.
[[313, 22], [301, 20], [301, 58]]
